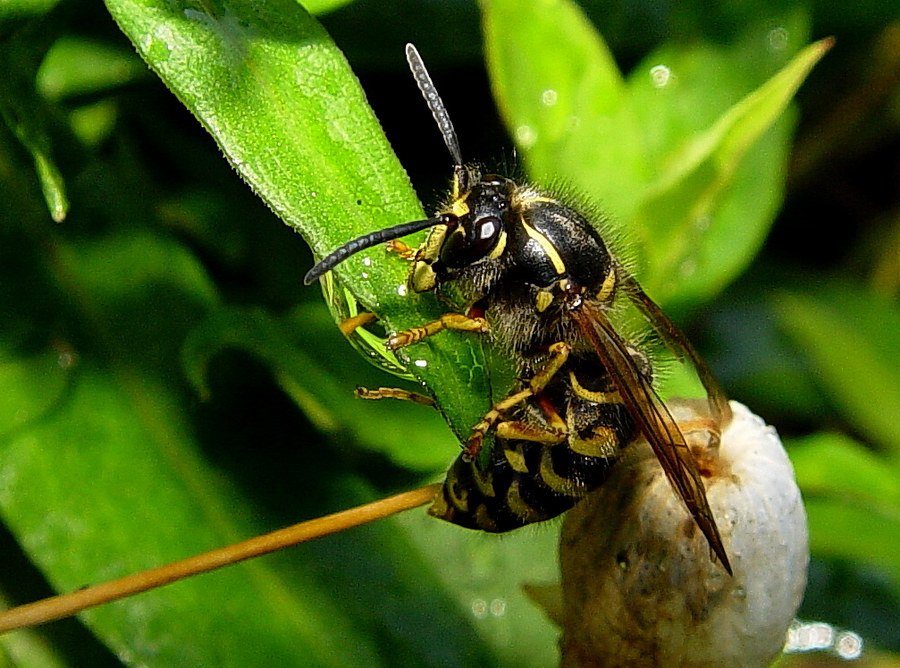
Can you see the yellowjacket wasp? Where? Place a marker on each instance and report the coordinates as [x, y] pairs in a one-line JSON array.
[[537, 278]]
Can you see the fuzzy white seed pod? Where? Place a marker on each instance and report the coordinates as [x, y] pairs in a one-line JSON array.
[[639, 586]]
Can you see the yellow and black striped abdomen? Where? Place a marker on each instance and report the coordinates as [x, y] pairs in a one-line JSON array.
[[528, 481]]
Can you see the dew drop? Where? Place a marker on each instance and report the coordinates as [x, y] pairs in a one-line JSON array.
[[660, 76], [549, 97], [526, 136], [848, 645], [479, 608], [777, 39], [158, 46], [66, 359], [498, 607]]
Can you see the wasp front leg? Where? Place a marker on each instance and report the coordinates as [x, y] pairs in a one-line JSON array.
[[454, 321], [405, 251], [559, 353]]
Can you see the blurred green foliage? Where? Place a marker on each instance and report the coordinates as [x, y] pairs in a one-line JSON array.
[[169, 386]]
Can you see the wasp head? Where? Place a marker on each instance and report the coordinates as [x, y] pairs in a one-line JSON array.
[[474, 234]]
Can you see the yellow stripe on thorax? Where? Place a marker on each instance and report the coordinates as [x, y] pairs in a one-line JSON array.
[[548, 247], [458, 207]]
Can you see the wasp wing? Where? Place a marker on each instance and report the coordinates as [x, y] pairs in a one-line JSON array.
[[679, 344], [653, 419]]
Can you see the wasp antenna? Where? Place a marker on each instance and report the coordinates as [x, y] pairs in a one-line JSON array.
[[438, 110], [334, 258]]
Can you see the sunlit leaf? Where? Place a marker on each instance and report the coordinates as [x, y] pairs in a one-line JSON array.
[[696, 192], [281, 101], [689, 230], [316, 7], [851, 339], [565, 101]]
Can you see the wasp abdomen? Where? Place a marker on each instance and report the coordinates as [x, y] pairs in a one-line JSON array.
[[528, 481]]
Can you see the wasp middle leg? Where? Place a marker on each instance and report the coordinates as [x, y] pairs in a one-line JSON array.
[[394, 393]]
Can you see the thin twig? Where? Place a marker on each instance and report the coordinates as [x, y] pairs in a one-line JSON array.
[[64, 605]]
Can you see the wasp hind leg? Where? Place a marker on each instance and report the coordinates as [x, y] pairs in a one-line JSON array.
[[511, 429], [559, 353]]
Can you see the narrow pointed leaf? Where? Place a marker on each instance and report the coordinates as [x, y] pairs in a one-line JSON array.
[[279, 98]]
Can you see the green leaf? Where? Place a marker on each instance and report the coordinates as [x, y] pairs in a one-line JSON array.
[[842, 530], [280, 100], [166, 491], [695, 183], [106, 471], [564, 100], [12, 9], [318, 7], [851, 339], [322, 390], [852, 500], [75, 67], [834, 465], [105, 477], [23, 111], [689, 230], [485, 574]]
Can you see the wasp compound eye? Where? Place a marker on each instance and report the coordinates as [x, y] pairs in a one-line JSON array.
[[470, 243]]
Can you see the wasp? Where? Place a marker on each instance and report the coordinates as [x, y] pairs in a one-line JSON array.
[[536, 277]]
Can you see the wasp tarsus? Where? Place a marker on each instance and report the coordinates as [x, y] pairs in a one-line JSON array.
[[537, 274]]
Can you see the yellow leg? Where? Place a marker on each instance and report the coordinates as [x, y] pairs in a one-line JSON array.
[[401, 249], [394, 393], [350, 325], [456, 321], [559, 353], [525, 432]]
